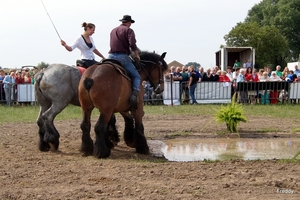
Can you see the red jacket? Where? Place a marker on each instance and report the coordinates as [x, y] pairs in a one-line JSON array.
[[223, 78], [251, 77]]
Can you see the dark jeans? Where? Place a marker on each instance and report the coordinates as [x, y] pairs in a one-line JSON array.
[[192, 92], [184, 91], [88, 63]]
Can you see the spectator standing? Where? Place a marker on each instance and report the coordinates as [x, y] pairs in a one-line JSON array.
[[177, 75], [27, 77], [229, 73], [9, 81], [2, 93], [248, 63], [214, 76], [223, 77], [243, 93], [19, 80], [193, 79], [207, 75], [252, 77], [285, 73], [147, 91], [291, 77], [278, 72], [170, 72], [265, 93], [297, 71], [183, 83], [274, 93], [244, 64], [201, 71], [237, 64], [260, 73], [198, 74], [167, 75]]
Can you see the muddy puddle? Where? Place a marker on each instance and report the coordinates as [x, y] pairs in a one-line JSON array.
[[224, 149]]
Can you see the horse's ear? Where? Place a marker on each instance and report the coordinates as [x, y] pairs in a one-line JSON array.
[[163, 55]]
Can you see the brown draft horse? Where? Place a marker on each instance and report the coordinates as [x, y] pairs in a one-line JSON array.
[[103, 87]]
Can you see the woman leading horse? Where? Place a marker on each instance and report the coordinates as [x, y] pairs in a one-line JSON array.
[[104, 87]]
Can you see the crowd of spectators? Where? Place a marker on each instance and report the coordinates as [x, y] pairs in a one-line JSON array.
[[234, 75], [9, 83]]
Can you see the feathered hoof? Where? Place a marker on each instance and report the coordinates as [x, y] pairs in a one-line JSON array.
[[101, 153], [44, 146], [54, 146], [143, 149], [87, 150]]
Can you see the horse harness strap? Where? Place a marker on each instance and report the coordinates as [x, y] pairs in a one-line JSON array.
[[118, 66]]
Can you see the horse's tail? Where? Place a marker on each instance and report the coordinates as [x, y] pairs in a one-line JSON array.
[[37, 80], [88, 83]]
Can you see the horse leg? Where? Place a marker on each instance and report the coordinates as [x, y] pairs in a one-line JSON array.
[[140, 140], [134, 135], [112, 132], [141, 145], [43, 146], [51, 135], [129, 131], [101, 149], [87, 142]]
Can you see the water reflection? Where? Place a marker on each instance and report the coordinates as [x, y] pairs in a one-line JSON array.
[[224, 149]]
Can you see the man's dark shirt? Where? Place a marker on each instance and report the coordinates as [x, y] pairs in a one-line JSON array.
[[121, 38]]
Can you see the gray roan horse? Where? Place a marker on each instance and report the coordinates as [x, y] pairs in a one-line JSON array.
[[55, 88]]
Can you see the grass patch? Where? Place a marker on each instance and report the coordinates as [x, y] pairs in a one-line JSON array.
[[180, 133], [268, 130], [296, 130], [30, 113]]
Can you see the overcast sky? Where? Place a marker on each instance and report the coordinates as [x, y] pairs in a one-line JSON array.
[[188, 30]]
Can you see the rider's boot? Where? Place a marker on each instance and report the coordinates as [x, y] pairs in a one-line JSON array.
[[134, 98]]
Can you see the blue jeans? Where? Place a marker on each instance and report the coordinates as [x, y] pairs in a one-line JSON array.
[[127, 64], [8, 95], [192, 92]]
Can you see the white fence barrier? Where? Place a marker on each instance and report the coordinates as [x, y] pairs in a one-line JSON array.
[[205, 92], [26, 93]]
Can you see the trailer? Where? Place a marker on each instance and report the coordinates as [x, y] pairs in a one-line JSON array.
[[226, 56]]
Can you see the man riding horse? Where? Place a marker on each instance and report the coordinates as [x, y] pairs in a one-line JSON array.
[[122, 40]]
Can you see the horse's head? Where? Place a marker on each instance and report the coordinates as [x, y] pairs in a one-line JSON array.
[[155, 68]]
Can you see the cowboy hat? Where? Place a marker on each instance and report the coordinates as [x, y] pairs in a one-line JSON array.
[[127, 18]]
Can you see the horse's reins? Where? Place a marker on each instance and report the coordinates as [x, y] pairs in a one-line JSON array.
[[148, 74]]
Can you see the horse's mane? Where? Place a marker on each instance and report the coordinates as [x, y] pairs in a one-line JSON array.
[[150, 56]]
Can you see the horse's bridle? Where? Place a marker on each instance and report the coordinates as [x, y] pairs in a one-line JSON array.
[[156, 87]]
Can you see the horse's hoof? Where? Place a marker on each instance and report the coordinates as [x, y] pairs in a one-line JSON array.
[[142, 149], [54, 145], [87, 150], [43, 146], [110, 144], [104, 153]]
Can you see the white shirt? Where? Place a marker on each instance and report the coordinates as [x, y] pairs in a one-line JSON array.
[[86, 52], [230, 76]]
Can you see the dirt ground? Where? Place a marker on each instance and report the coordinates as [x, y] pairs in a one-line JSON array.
[[27, 173]]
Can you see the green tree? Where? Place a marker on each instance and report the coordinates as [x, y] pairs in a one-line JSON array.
[[195, 64], [42, 65], [284, 15], [269, 43]]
